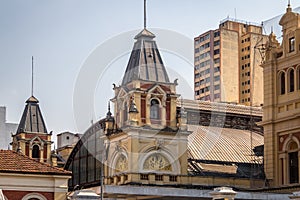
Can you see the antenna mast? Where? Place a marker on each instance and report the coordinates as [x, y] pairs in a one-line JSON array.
[[32, 76], [145, 14]]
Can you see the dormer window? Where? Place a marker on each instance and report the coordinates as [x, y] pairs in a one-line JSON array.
[[292, 44], [35, 151], [154, 109]]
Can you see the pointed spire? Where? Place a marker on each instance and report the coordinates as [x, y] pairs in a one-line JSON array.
[[145, 34], [145, 62], [32, 119], [109, 114], [109, 121]]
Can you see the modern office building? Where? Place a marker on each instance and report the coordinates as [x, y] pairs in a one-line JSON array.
[[227, 63]]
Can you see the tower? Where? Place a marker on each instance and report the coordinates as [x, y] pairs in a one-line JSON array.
[[281, 116], [32, 137], [150, 138]]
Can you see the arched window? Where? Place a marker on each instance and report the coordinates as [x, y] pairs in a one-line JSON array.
[[293, 163], [291, 80], [281, 82], [154, 109], [35, 151]]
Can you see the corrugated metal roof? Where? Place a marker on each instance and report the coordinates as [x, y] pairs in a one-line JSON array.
[[222, 144], [220, 107]]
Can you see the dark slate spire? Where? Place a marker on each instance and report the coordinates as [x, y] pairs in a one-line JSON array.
[[145, 62], [109, 114], [32, 119]]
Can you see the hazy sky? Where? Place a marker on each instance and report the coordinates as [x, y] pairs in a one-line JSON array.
[[62, 34]]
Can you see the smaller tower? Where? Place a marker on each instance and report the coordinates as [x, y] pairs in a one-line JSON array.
[[109, 121], [32, 138]]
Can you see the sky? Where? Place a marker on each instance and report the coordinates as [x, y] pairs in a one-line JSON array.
[[65, 36]]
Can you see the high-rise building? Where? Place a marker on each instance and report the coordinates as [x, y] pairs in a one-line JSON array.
[[227, 63]]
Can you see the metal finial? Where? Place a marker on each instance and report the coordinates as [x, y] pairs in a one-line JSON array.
[[32, 76], [145, 14], [289, 4], [108, 114], [108, 106]]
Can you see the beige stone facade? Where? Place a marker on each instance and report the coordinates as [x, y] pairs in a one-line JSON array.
[[227, 64], [281, 118]]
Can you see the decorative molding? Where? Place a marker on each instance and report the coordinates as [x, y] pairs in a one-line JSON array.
[[34, 196], [157, 162]]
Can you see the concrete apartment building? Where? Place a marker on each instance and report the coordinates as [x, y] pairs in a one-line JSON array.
[[227, 63]]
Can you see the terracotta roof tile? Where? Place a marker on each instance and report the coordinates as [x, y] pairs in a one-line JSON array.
[[13, 162]]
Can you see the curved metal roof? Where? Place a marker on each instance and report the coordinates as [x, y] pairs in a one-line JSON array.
[[222, 144]]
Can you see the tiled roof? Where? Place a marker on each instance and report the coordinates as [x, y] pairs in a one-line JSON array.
[[222, 144], [13, 162]]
